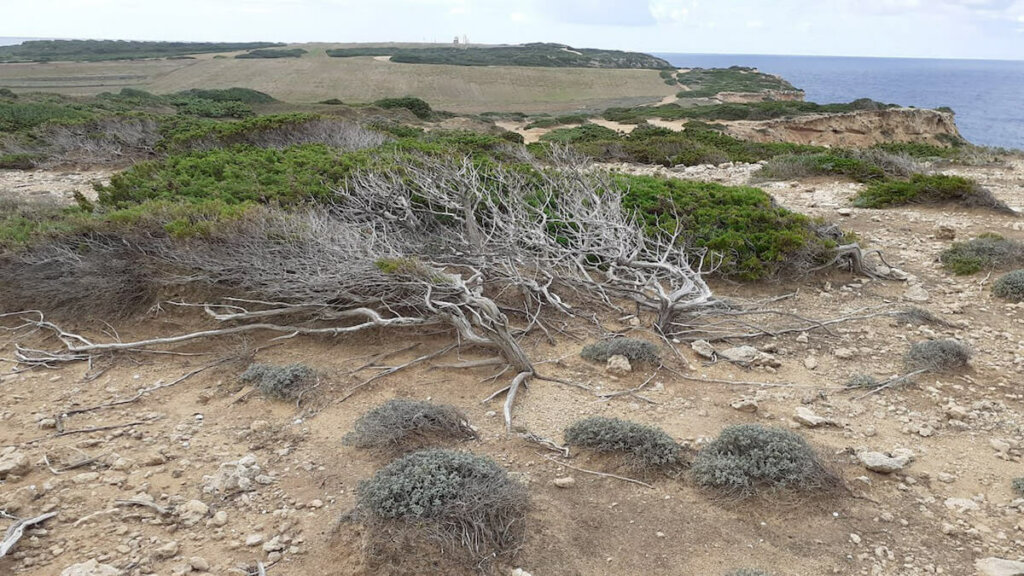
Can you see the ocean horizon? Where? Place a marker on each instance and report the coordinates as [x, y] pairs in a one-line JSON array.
[[986, 95]]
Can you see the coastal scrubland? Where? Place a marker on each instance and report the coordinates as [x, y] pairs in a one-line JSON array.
[[378, 335]]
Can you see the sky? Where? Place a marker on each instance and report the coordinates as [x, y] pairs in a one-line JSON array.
[[987, 29]]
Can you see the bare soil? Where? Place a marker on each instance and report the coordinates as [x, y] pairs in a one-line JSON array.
[[951, 506]]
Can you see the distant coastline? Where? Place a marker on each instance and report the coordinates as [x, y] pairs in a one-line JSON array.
[[987, 95]]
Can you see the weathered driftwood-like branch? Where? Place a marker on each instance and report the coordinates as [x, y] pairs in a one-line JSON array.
[[17, 530]]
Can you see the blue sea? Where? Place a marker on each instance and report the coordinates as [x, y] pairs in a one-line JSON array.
[[987, 95]]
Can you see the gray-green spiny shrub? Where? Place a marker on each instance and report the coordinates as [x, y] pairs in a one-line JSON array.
[[747, 572], [1010, 286], [281, 382], [1018, 486], [632, 348], [462, 499], [987, 251], [938, 355], [644, 448], [748, 458], [400, 425]]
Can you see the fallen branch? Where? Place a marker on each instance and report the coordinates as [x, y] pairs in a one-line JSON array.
[[595, 473], [159, 509], [510, 398], [391, 370], [891, 382], [143, 392], [546, 443], [16, 530]]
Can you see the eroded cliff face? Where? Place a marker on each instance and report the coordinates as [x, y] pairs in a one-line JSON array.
[[763, 96], [854, 129]]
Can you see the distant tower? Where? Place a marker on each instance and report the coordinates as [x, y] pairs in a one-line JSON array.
[[465, 40], [456, 41]]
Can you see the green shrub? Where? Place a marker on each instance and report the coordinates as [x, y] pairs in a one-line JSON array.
[[18, 161], [986, 252], [748, 572], [205, 108], [830, 164], [17, 115], [244, 95], [1010, 286], [420, 108], [929, 189], [749, 458], [332, 102], [938, 355], [744, 227], [644, 448], [585, 133], [632, 348], [231, 175], [274, 53], [280, 382], [401, 425], [460, 499], [1018, 486]]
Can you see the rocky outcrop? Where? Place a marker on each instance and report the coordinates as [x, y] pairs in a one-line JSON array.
[[864, 128]]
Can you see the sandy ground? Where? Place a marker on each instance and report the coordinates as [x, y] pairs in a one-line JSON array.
[[950, 507]]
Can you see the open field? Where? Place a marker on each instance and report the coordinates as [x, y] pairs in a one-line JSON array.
[[316, 77]]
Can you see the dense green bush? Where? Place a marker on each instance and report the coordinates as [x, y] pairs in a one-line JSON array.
[[463, 500], [232, 175], [632, 348], [17, 115], [707, 82], [534, 54], [420, 108], [929, 189], [205, 108], [401, 425], [938, 355], [551, 122], [97, 50], [751, 111], [749, 458], [792, 167], [987, 251], [281, 382], [754, 237], [244, 95], [1010, 286], [644, 448], [18, 161], [274, 53]]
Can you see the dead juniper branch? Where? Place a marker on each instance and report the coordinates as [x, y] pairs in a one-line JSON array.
[[16, 530]]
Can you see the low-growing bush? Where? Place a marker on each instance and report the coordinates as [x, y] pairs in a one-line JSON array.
[[401, 425], [748, 572], [863, 381], [245, 95], [986, 252], [793, 167], [632, 348], [20, 161], [920, 316], [420, 108], [1018, 486], [753, 237], [466, 503], [644, 448], [280, 382], [938, 355], [749, 458], [1010, 286], [929, 189]]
